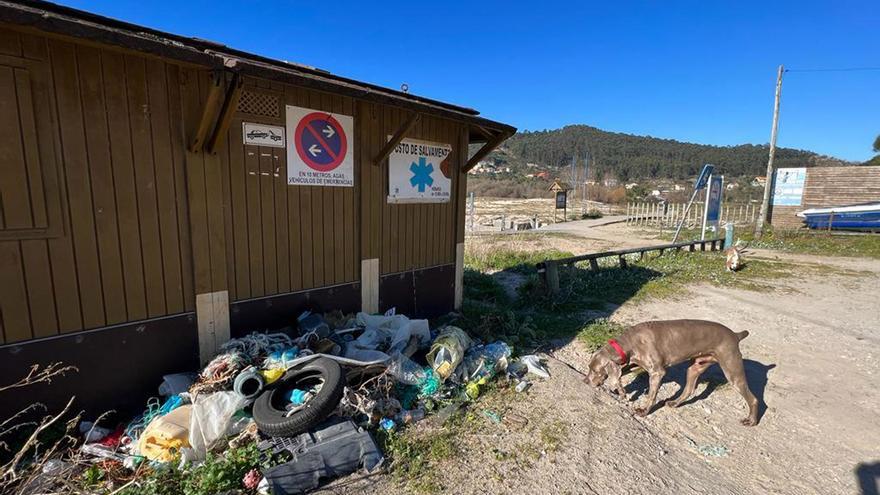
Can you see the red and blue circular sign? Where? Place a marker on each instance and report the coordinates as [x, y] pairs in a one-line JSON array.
[[320, 141]]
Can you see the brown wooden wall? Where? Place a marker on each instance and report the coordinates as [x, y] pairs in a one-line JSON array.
[[830, 186], [109, 133], [108, 218]]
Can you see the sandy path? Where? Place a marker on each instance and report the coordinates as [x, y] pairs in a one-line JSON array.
[[812, 355]]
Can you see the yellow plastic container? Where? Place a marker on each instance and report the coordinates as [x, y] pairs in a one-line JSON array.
[[166, 435]]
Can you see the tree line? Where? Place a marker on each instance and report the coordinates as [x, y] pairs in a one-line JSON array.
[[625, 156]]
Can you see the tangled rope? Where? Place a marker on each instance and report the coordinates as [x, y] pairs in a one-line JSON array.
[[236, 355], [374, 395]]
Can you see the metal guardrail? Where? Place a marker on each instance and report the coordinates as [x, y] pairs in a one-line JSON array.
[[549, 269]]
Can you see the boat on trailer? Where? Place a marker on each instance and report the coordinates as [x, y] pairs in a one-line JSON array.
[[854, 217]]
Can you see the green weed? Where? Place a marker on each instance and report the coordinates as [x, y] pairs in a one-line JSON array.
[[509, 259], [596, 333]]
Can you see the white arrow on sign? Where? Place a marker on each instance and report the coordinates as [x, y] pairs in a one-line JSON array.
[[329, 132], [314, 150]]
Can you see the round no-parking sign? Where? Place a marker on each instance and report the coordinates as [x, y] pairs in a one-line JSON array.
[[319, 153]]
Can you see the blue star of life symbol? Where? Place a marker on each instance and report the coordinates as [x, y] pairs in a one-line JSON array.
[[421, 174]]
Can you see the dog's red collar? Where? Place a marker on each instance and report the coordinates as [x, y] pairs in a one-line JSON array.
[[613, 343]]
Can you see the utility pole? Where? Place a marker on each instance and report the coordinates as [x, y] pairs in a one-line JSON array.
[[768, 184]]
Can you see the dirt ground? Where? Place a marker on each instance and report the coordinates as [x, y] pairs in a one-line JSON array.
[[811, 357]]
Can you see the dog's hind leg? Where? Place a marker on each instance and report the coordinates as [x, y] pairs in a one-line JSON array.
[[700, 365], [736, 374]]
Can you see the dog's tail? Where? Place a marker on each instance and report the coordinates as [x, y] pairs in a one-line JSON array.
[[742, 335]]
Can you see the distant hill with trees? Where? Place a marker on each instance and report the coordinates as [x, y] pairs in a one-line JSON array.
[[626, 157]]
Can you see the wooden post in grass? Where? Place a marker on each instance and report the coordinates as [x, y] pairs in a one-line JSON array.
[[551, 274]]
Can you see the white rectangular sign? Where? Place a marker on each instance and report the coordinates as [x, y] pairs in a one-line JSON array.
[[262, 134], [320, 151], [788, 186], [419, 172]]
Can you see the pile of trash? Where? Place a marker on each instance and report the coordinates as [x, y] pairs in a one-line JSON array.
[[315, 393]]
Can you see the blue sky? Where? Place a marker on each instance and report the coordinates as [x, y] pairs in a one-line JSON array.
[[694, 71]]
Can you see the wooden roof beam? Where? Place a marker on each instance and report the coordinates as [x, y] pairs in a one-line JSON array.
[[487, 148], [396, 138], [209, 112], [230, 105]]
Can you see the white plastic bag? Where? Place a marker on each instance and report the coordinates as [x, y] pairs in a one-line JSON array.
[[211, 421]]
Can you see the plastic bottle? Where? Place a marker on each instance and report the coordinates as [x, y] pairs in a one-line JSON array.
[[522, 386]]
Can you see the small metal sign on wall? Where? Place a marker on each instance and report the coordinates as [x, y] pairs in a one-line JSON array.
[[262, 134]]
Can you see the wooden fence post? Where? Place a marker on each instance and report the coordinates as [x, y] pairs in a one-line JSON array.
[[552, 276]]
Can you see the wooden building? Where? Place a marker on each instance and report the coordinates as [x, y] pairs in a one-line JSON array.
[[142, 223], [824, 187]]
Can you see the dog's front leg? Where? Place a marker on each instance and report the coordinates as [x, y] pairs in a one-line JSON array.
[[615, 372], [655, 378]]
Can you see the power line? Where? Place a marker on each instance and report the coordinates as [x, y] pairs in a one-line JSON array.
[[847, 69]]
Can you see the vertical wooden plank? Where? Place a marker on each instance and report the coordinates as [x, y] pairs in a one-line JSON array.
[[338, 214], [460, 185], [328, 212], [386, 260], [238, 182], [82, 221], [165, 192], [56, 255], [254, 221], [267, 216], [101, 174], [294, 213], [15, 211], [319, 242], [14, 309], [282, 238], [391, 240], [178, 156], [30, 147], [377, 187], [430, 225], [350, 231], [191, 102], [420, 217], [145, 183], [224, 155], [362, 124], [38, 277], [444, 243]]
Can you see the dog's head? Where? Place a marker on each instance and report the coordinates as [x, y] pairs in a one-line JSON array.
[[601, 365]]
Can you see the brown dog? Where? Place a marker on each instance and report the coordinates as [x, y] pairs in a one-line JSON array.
[[657, 345], [734, 257]]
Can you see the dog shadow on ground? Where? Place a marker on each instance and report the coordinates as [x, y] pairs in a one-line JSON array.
[[756, 375], [868, 477]]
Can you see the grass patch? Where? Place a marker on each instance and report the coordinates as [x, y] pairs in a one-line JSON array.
[[861, 246], [479, 286], [414, 456], [553, 436], [519, 261], [596, 333], [219, 473], [534, 317], [803, 242]]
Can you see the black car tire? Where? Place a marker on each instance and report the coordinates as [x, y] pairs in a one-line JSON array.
[[269, 412]]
